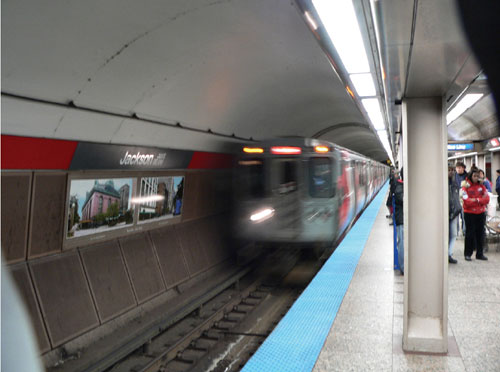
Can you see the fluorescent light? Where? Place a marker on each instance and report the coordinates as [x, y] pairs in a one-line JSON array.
[[311, 21], [363, 83], [341, 23], [372, 107], [495, 149], [467, 101], [382, 135]]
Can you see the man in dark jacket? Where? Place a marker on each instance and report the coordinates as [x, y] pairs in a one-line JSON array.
[[454, 209], [459, 178], [399, 217], [392, 183], [497, 185]]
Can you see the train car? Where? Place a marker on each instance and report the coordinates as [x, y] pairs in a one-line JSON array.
[[301, 190]]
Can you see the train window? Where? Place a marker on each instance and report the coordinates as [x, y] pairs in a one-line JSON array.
[[320, 178], [287, 176], [252, 178]]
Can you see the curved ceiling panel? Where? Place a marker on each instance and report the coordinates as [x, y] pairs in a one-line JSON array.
[[248, 68]]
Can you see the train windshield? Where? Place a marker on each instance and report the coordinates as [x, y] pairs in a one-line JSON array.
[[320, 178], [251, 178], [284, 176]]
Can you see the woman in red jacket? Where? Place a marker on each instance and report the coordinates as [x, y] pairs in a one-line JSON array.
[[475, 200]]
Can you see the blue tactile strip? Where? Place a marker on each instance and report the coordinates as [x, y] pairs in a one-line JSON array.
[[296, 342]]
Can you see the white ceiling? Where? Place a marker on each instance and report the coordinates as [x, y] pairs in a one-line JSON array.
[[129, 72]]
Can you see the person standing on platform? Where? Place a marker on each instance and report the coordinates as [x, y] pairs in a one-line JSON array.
[[399, 217], [497, 185], [454, 209], [459, 178], [486, 182], [475, 200], [392, 183]]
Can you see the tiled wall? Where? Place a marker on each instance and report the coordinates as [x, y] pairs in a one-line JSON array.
[[68, 292]]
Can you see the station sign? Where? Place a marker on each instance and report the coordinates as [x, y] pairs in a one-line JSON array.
[[19, 152], [460, 146], [107, 156]]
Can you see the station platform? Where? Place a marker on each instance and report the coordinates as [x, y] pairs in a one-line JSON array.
[[361, 328]]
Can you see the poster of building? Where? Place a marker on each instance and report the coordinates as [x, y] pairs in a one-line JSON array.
[[159, 198], [99, 205]]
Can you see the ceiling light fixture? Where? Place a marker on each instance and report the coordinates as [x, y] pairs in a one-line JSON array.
[[363, 83], [341, 24], [372, 107], [463, 105]]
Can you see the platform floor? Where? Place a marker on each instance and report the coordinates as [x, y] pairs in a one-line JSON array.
[[350, 317], [367, 332]]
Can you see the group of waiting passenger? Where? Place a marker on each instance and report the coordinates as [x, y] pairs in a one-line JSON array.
[[471, 189], [468, 200]]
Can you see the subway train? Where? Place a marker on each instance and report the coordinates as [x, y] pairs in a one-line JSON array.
[[301, 191]]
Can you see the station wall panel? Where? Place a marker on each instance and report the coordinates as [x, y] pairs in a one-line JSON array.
[[22, 279], [143, 267], [16, 193], [47, 214], [210, 236], [192, 185], [172, 261], [64, 296], [108, 279], [205, 199], [193, 251], [207, 240], [72, 291]]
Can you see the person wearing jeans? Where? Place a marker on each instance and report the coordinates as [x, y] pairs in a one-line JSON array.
[[454, 209], [399, 217], [475, 200], [460, 176]]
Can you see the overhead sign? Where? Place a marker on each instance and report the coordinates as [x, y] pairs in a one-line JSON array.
[[460, 146]]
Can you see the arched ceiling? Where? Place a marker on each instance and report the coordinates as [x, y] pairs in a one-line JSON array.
[[205, 74], [243, 68]]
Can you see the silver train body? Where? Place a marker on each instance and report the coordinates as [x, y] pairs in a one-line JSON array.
[[300, 190]]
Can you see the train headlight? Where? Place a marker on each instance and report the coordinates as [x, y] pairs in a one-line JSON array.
[[262, 215]]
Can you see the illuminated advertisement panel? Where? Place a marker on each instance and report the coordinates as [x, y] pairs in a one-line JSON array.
[[98, 205], [159, 198]]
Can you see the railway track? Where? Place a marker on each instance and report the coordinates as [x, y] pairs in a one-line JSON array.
[[224, 333]]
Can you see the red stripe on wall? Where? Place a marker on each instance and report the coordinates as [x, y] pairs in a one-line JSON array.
[[36, 153], [209, 160]]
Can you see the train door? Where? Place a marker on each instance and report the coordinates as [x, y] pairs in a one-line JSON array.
[[370, 180], [348, 199], [320, 199], [360, 186], [285, 193]]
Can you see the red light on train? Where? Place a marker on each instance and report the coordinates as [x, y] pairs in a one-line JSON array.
[[285, 150], [253, 150], [321, 149]]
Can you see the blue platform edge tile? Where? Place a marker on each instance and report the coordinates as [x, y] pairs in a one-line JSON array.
[[295, 343]]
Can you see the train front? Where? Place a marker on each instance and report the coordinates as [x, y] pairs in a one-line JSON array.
[[285, 192]]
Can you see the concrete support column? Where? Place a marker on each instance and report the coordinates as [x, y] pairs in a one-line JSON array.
[[495, 164], [481, 162], [468, 162], [425, 323]]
